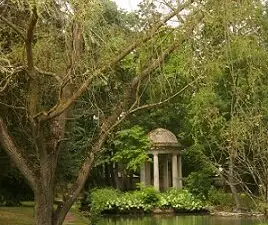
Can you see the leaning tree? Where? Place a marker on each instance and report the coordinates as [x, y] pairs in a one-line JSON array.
[[59, 58]]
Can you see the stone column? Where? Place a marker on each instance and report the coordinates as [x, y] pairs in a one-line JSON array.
[[147, 173], [142, 174], [156, 171], [166, 173], [175, 171], [180, 172]]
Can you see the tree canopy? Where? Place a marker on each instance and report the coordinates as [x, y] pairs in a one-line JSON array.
[[76, 76]]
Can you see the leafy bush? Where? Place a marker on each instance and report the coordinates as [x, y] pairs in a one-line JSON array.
[[13, 189], [100, 197], [109, 200], [199, 183], [131, 146], [8, 199], [181, 200], [150, 195], [219, 197], [127, 202], [105, 200]]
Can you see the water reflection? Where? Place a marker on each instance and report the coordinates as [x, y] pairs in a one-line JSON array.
[[180, 220]]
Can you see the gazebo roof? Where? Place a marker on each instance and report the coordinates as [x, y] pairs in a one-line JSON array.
[[163, 137]]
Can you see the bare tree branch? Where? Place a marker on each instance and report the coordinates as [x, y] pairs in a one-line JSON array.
[[152, 105], [152, 32], [13, 26], [12, 71], [12, 106], [29, 39], [47, 73], [3, 88], [16, 154], [63, 105], [171, 7], [33, 90]]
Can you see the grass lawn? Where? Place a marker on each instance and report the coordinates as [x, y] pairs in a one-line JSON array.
[[23, 215]]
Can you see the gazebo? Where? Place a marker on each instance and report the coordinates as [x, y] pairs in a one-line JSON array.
[[166, 169]]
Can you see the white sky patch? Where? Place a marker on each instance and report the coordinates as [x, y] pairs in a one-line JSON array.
[[129, 5]]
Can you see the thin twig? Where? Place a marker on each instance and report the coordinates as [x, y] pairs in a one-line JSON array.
[[61, 106], [147, 106], [14, 27], [12, 106], [51, 74]]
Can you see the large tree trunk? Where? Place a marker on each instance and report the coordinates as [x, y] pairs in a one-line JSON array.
[[231, 182], [40, 180], [45, 191], [43, 209]]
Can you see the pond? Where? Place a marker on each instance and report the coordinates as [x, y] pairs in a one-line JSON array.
[[180, 220]]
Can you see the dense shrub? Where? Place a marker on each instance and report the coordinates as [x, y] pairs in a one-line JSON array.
[[199, 183], [99, 198], [219, 197], [14, 189], [8, 199], [149, 195], [181, 200], [107, 200], [129, 202], [143, 201]]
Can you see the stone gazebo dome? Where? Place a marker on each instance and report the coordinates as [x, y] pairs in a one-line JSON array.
[[161, 137]]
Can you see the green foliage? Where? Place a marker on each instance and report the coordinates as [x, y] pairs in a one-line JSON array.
[[199, 183], [108, 199], [99, 198], [224, 114], [8, 199], [144, 201], [130, 202], [227, 111], [14, 190], [149, 195], [218, 197], [13, 187], [131, 147], [181, 201], [222, 199], [195, 159]]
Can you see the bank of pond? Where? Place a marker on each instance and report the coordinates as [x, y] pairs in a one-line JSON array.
[[180, 207], [147, 206], [149, 201], [145, 201], [180, 220]]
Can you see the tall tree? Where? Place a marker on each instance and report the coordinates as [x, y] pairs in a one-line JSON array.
[[58, 54], [228, 108]]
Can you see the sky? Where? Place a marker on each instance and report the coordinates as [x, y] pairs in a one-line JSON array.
[[131, 5], [127, 4]]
